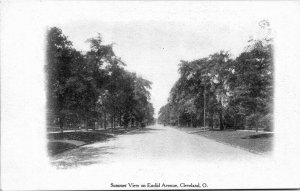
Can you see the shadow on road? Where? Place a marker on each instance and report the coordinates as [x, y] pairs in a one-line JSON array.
[[82, 156]]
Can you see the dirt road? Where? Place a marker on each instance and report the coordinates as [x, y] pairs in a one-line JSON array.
[[153, 144]]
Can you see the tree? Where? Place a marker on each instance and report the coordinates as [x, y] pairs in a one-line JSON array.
[[236, 92], [92, 87], [58, 70], [254, 73]]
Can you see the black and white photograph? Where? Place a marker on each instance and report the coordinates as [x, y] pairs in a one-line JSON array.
[[150, 95]]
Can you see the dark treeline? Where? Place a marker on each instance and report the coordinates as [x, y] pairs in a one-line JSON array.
[[93, 89], [221, 92]]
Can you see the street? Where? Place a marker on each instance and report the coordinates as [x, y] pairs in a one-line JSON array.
[[153, 144], [155, 155]]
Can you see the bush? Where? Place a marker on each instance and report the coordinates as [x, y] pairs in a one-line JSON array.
[[252, 121], [260, 121], [266, 122]]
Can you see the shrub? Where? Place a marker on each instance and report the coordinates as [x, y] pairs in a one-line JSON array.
[[266, 122], [260, 121]]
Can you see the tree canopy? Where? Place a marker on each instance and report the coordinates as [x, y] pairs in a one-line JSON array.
[[93, 89], [219, 91]]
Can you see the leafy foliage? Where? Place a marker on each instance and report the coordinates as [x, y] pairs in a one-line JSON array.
[[93, 89], [219, 91]]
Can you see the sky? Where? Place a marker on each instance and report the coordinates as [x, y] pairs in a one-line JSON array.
[[152, 37]]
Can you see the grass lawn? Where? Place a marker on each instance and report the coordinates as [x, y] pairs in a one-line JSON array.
[[259, 142], [86, 137], [60, 142], [55, 147]]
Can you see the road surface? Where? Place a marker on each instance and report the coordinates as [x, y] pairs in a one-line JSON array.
[[156, 154], [155, 143]]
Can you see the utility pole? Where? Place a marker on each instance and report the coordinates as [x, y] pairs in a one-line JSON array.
[[204, 105], [178, 112]]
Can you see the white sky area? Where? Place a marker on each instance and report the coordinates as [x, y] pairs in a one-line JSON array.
[[152, 37]]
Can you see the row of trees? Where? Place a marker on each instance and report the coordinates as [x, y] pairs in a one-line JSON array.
[[93, 89], [221, 92]]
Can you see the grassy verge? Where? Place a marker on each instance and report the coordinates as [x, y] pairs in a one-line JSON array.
[[55, 147], [60, 142], [257, 142]]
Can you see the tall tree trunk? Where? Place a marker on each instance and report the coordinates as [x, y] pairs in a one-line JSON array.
[[115, 121], [120, 116], [221, 120], [257, 124], [101, 121], [234, 122], [204, 105], [132, 122], [96, 117], [105, 120], [234, 117], [112, 122], [125, 120], [61, 124], [212, 119], [86, 123]]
